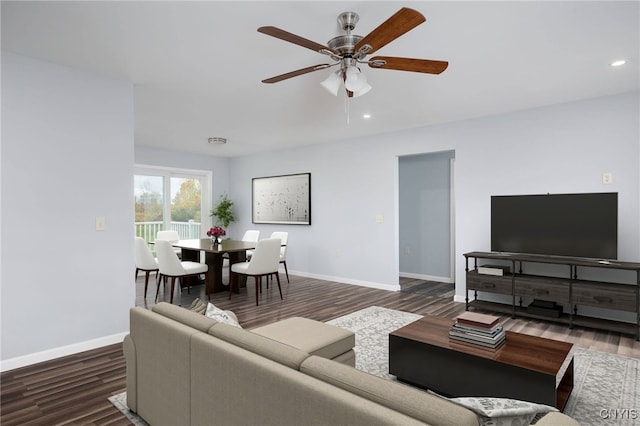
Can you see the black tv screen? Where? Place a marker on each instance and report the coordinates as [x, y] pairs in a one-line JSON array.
[[580, 225]]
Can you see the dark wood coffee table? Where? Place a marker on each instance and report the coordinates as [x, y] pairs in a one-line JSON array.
[[525, 367]]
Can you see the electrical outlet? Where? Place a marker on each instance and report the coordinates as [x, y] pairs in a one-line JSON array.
[[407, 250], [379, 218], [607, 178]]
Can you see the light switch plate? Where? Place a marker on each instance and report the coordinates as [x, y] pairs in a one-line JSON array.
[[101, 223]]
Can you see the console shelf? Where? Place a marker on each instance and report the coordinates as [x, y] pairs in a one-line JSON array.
[[568, 291]]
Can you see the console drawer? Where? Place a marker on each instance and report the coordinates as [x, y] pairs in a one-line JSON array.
[[551, 289], [605, 295], [489, 283]]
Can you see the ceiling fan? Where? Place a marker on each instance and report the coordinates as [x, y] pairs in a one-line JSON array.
[[349, 50]]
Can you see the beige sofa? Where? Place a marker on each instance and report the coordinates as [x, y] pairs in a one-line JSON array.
[[186, 369]]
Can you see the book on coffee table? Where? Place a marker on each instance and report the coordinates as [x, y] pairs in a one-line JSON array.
[[477, 320], [480, 329]]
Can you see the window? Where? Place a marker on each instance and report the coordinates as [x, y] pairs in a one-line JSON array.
[[171, 199]]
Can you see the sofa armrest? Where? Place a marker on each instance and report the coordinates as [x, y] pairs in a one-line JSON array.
[[129, 349]]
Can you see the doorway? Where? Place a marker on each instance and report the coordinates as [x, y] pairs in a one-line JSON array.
[[426, 217]]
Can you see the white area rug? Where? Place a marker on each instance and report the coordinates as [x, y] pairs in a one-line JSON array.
[[606, 386]]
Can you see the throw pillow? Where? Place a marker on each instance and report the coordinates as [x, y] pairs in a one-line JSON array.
[[503, 411], [220, 315], [198, 306]]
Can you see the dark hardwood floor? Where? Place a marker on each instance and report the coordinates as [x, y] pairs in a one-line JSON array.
[[74, 389]]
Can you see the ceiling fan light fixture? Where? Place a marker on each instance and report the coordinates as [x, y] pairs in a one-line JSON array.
[[364, 89], [354, 79], [332, 83]]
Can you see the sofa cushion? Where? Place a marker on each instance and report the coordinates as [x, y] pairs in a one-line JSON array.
[[397, 396], [219, 315], [503, 411], [198, 306], [268, 348], [184, 316], [232, 386], [313, 337]]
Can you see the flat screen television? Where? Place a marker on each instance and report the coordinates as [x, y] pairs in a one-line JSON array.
[[579, 225]]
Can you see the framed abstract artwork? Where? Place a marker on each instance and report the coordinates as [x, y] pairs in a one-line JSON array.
[[282, 199]]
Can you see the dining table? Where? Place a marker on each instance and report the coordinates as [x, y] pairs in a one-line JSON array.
[[214, 258]]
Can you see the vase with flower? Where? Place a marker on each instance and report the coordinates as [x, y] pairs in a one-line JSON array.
[[216, 233]]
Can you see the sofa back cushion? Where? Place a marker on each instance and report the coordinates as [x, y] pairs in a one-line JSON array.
[[233, 386], [263, 346], [184, 316], [397, 396]]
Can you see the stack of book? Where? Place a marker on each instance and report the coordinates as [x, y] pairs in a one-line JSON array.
[[480, 329]]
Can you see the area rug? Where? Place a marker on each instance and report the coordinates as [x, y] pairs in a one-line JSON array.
[[606, 386], [606, 389]]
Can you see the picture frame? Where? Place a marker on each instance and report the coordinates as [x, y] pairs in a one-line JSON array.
[[284, 199]]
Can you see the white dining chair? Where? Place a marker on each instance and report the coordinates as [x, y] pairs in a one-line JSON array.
[[172, 267], [264, 262], [145, 261], [172, 237], [252, 236], [284, 239]]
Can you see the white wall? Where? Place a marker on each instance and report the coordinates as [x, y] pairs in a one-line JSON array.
[[67, 158], [557, 149]]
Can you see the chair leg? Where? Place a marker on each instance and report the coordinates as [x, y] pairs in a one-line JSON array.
[[230, 284], [279, 289], [146, 282], [158, 285], [173, 283], [136, 274], [284, 262], [257, 288]]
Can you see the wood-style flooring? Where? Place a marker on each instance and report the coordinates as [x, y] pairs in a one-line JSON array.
[[73, 390]]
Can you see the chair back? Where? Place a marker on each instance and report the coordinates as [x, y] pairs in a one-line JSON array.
[[266, 257], [168, 259], [144, 257], [172, 236], [284, 237], [251, 236]]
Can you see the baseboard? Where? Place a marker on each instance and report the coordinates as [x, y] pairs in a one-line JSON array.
[[446, 280], [459, 298], [370, 284], [49, 354]]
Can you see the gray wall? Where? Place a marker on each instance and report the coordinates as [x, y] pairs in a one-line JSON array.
[[425, 216], [67, 158]]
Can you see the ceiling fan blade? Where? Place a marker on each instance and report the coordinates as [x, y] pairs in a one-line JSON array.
[[295, 39], [296, 73], [401, 22], [409, 64]]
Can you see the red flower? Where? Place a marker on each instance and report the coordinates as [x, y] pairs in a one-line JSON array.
[[216, 231]]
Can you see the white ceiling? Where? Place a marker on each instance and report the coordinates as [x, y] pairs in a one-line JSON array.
[[197, 66]]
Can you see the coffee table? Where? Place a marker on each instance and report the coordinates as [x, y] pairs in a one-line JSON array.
[[525, 367]]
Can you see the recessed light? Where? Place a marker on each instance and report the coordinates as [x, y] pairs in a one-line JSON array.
[[618, 63], [366, 116], [217, 141]]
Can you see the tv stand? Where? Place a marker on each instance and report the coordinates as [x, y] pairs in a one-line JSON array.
[[568, 290]]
